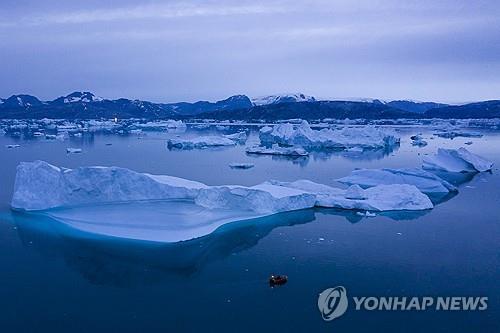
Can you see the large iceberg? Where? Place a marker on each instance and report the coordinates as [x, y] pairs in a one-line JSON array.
[[302, 135], [425, 181], [40, 185], [377, 198], [200, 142], [459, 160], [118, 202]]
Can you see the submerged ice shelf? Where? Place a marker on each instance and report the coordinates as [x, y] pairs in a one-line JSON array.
[[117, 202], [425, 181]]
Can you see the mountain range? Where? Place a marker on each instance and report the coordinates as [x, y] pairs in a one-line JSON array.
[[85, 105]]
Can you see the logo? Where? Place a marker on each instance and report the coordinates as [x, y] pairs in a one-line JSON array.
[[332, 303]]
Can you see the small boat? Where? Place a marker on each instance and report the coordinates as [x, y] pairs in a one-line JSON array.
[[277, 280]]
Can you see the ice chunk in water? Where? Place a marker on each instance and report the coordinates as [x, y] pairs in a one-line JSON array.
[[200, 142], [460, 160], [302, 135], [423, 180]]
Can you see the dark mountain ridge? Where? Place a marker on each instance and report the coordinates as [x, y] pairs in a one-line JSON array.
[[85, 105]]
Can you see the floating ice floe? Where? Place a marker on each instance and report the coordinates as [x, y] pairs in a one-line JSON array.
[[456, 160], [377, 198], [417, 140], [453, 133], [60, 137], [73, 150], [240, 137], [277, 150], [425, 181], [241, 165], [200, 142], [163, 124], [368, 137]]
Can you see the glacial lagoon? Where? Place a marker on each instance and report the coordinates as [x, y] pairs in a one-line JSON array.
[[51, 268]]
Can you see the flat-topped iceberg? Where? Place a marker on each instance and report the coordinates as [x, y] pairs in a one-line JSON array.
[[377, 198], [302, 135], [425, 181], [40, 185], [200, 142], [456, 160], [277, 150]]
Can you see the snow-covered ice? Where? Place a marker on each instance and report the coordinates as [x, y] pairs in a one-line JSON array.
[[456, 160], [368, 137], [425, 181], [200, 142], [263, 198]]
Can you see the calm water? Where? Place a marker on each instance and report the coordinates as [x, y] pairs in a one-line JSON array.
[[55, 280]]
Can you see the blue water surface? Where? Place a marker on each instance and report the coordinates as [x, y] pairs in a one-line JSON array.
[[56, 279]]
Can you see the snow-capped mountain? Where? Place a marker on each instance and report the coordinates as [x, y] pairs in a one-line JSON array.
[[284, 98], [21, 101], [79, 97]]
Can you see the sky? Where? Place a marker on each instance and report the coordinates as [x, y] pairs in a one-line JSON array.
[[168, 51]]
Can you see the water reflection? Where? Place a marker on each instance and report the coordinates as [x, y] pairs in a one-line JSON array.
[[117, 262]]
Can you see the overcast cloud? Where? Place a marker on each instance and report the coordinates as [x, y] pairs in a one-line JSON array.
[[190, 50]]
